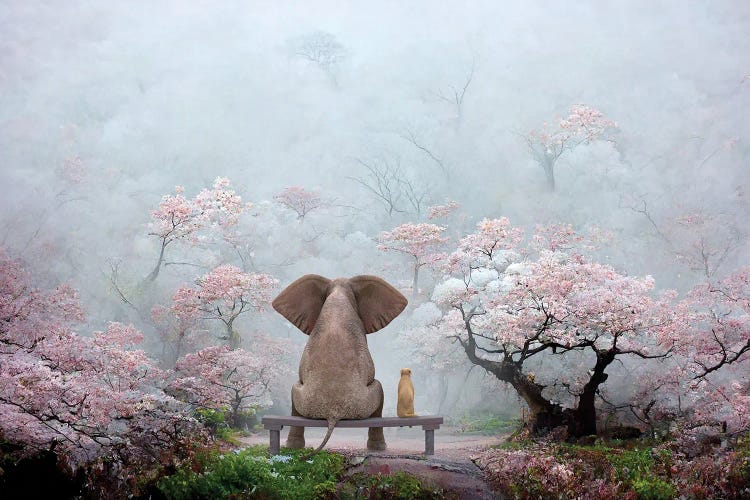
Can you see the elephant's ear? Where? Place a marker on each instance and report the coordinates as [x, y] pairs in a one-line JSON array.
[[379, 303], [302, 301]]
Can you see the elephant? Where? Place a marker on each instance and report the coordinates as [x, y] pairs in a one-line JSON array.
[[336, 372]]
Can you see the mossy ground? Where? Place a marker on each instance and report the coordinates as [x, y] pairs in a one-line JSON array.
[[251, 473]]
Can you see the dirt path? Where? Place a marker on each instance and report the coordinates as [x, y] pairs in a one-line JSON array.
[[449, 468]]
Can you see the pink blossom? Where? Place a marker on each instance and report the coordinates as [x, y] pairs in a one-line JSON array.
[[417, 240], [555, 237], [583, 124], [420, 241], [439, 211], [560, 303], [480, 248], [218, 377], [224, 294], [220, 205], [300, 200], [176, 218], [84, 397], [180, 218]]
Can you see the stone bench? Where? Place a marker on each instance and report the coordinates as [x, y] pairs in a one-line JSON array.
[[274, 424]]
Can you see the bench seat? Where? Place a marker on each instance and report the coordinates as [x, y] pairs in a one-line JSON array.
[[274, 423]]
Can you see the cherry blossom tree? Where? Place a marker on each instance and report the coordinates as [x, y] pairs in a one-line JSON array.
[[176, 218], [716, 351], [582, 126], [722, 327], [178, 333], [488, 247], [300, 200], [442, 211], [558, 305], [419, 241], [704, 242], [93, 402], [224, 294], [179, 218], [235, 379], [556, 237], [658, 398], [704, 386]]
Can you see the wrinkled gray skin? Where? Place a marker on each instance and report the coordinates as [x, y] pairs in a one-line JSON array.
[[336, 372]]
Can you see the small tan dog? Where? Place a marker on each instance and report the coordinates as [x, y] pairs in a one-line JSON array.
[[405, 407]]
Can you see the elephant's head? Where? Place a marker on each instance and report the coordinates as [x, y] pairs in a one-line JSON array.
[[370, 298], [336, 372]]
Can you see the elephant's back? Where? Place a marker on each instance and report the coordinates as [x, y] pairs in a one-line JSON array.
[[338, 359], [337, 371]]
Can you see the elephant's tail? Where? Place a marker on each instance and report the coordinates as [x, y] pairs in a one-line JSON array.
[[331, 424]]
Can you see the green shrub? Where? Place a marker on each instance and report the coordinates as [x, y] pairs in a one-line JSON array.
[[399, 485], [222, 424], [251, 473], [631, 464], [653, 488], [214, 420], [642, 470]]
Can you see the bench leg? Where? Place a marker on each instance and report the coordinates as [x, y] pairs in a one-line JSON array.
[[274, 447], [429, 442]]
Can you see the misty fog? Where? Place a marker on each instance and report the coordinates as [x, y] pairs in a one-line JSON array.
[[106, 107]]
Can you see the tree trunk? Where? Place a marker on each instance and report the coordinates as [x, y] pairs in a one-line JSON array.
[[233, 337], [234, 415], [414, 286], [583, 422], [545, 415], [548, 164], [155, 272], [443, 392]]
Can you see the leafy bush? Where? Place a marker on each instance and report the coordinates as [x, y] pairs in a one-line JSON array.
[[643, 470], [218, 422], [251, 473], [653, 488], [214, 421]]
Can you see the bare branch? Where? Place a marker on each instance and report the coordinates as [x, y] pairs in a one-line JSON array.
[[411, 137]]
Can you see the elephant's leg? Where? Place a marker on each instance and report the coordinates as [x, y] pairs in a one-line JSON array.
[[296, 437], [375, 437]]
